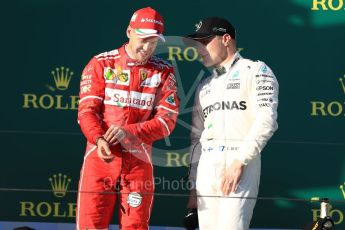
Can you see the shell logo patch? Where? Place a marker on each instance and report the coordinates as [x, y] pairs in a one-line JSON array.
[[134, 199], [117, 75]]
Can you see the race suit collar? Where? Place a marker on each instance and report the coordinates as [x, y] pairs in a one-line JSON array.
[[225, 68], [233, 61], [128, 59]]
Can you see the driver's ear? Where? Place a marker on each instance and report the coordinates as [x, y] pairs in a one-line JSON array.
[[128, 31], [226, 39]]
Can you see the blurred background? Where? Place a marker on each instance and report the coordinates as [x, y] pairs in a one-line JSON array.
[[303, 41]]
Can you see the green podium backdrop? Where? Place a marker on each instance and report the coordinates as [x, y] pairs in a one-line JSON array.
[[42, 146]]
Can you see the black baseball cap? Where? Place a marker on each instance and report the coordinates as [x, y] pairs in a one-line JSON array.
[[213, 26]]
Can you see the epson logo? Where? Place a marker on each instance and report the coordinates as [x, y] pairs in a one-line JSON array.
[[264, 87], [224, 105]]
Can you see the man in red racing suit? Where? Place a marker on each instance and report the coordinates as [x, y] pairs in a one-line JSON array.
[[127, 101]]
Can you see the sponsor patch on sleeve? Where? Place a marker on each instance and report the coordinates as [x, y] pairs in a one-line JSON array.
[[171, 100]]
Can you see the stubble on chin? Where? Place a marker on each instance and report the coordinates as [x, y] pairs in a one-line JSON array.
[[207, 63]]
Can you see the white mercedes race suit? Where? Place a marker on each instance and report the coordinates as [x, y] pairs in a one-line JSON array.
[[234, 116]]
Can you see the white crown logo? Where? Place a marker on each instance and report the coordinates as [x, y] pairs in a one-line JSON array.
[[342, 83], [59, 184], [62, 77]]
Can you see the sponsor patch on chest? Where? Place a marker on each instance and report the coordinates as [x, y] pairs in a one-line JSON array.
[[153, 81], [224, 105], [233, 85], [122, 98], [117, 76]]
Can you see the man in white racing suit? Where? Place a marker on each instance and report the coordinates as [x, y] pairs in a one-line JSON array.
[[234, 116]]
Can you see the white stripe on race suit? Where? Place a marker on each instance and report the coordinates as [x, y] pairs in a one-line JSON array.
[[149, 159], [165, 124], [166, 108], [81, 181], [88, 97], [134, 99], [106, 58], [159, 61], [105, 54]]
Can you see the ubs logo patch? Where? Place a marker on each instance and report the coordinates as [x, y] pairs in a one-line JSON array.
[[233, 86]]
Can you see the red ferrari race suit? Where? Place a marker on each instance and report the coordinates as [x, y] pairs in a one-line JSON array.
[[141, 98]]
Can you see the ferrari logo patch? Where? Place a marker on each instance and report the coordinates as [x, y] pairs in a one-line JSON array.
[[143, 74]]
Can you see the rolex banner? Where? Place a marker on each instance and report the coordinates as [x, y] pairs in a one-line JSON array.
[[46, 45]]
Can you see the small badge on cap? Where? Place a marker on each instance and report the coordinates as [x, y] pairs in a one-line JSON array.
[[198, 26]]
